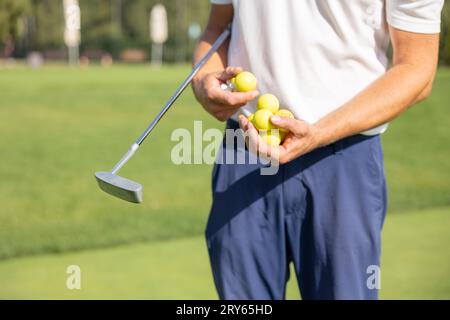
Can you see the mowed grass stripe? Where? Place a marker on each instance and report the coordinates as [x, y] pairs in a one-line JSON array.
[[415, 262], [62, 124]]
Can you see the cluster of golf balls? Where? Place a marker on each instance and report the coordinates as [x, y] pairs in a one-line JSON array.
[[268, 106]]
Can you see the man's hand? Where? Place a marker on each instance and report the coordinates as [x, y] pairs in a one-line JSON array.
[[222, 104], [302, 138]]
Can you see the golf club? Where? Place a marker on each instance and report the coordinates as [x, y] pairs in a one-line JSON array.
[[127, 189]]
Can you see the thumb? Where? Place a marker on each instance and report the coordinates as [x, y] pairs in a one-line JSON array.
[[229, 73], [285, 123]]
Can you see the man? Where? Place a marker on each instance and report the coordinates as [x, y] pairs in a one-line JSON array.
[[324, 209]]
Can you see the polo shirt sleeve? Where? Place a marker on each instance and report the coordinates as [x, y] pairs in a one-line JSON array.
[[221, 1], [419, 16]]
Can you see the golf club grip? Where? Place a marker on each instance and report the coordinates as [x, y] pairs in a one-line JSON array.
[[220, 40]]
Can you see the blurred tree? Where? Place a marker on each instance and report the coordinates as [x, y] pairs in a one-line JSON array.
[[112, 25], [12, 13], [98, 29], [116, 16], [47, 25], [135, 24]]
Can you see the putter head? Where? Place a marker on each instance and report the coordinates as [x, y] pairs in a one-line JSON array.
[[119, 187]]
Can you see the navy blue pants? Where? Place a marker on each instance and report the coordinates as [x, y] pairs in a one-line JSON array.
[[323, 211]]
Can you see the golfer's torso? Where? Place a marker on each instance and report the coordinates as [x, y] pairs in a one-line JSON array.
[[313, 55]]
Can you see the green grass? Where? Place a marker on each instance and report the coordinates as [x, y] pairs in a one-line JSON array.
[[64, 124], [59, 125], [415, 263], [417, 152]]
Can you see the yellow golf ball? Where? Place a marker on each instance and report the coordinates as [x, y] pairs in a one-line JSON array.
[[261, 119], [287, 114], [268, 101], [284, 113], [245, 81], [271, 138]]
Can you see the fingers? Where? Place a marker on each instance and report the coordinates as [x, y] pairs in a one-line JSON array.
[[256, 144], [284, 123], [228, 73], [250, 131], [222, 104], [243, 122], [235, 99], [217, 95], [293, 125], [248, 127]]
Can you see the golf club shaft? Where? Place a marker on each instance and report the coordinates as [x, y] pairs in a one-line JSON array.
[[125, 158], [220, 40]]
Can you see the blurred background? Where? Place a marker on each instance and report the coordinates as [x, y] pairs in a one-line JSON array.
[[80, 80], [108, 27]]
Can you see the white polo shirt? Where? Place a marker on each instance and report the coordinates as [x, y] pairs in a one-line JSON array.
[[316, 55]]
